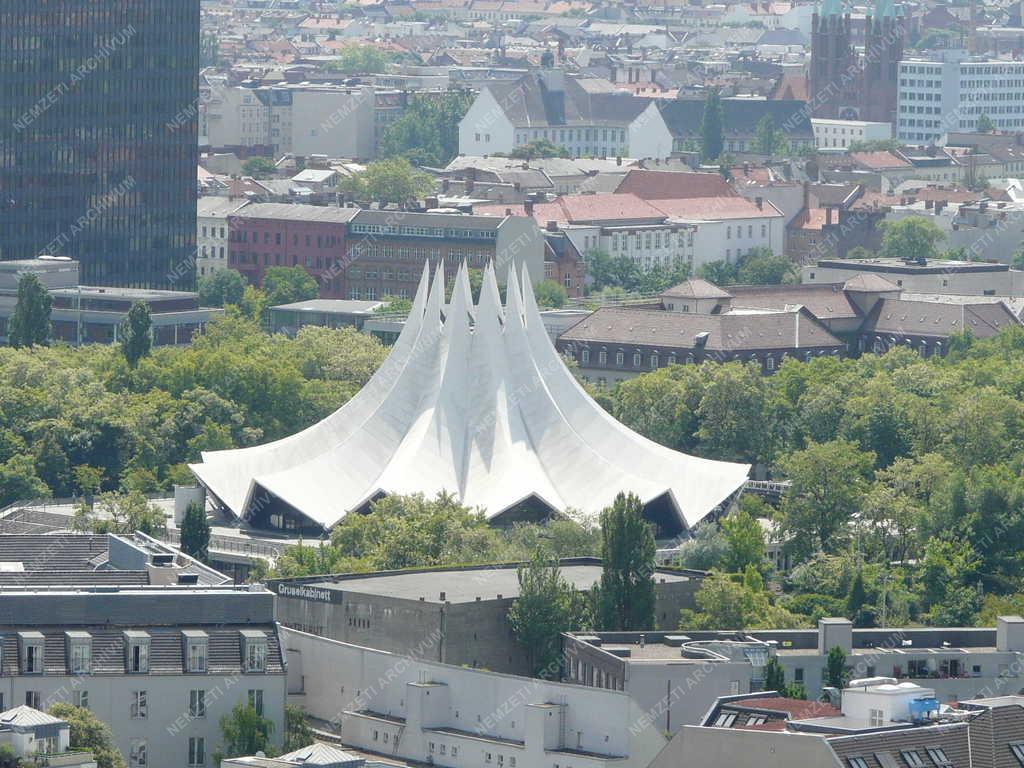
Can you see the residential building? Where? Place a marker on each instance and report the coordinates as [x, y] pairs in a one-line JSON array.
[[298, 118], [881, 724], [98, 151], [405, 707], [840, 134], [939, 97], [675, 676], [741, 114], [156, 645], [89, 314], [212, 232], [36, 737], [589, 117], [614, 344], [316, 755], [465, 607]]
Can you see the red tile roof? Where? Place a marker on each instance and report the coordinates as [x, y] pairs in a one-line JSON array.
[[715, 208], [584, 208], [797, 709], [879, 160], [666, 185]]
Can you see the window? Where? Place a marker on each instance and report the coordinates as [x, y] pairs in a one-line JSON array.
[[139, 706], [602, 357], [196, 750], [138, 655], [798, 674], [757, 720], [913, 758], [620, 358], [82, 699], [256, 700], [32, 699], [585, 356], [938, 756], [1018, 751], [637, 359], [196, 659], [197, 703], [255, 656], [81, 657], [138, 756], [31, 653], [857, 762], [725, 720]]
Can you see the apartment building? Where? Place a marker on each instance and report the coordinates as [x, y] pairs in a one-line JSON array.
[[938, 97], [212, 232], [945, 277], [880, 723], [956, 663], [840, 134], [156, 645], [407, 708]]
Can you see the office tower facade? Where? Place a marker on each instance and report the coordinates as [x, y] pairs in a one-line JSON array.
[[98, 137]]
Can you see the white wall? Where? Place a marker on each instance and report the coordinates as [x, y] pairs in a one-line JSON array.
[[336, 123], [649, 136], [485, 129], [506, 716]]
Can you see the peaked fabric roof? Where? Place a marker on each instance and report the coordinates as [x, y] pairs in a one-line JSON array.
[[488, 412]]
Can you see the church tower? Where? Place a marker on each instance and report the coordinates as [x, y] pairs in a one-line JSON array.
[[883, 49], [835, 75]]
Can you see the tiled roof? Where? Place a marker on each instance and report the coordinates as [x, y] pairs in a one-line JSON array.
[[715, 208], [886, 749], [924, 318], [879, 160], [696, 288], [726, 333], [824, 301], [592, 208], [526, 102], [869, 282], [166, 649], [665, 185], [27, 717], [297, 212], [685, 116], [60, 552]]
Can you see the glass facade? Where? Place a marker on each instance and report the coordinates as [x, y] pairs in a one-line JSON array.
[[98, 137]]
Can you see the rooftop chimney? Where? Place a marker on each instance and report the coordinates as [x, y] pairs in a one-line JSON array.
[[528, 207], [552, 226], [759, 202]]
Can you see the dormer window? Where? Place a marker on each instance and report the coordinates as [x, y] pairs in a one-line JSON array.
[[32, 644], [254, 649], [136, 646], [79, 649], [196, 644]]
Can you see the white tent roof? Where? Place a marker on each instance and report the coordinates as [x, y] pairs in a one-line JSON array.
[[486, 411]]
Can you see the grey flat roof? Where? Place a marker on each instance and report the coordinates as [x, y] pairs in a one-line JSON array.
[[331, 306], [463, 585]]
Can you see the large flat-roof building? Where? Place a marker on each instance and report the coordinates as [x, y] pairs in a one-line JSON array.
[[465, 607], [98, 137], [969, 278]]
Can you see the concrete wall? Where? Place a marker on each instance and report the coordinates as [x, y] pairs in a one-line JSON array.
[[478, 717], [336, 123], [695, 747], [485, 129]]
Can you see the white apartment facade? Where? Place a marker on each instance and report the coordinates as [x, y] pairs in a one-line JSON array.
[[212, 232], [161, 666], [935, 97], [459, 717], [840, 134]]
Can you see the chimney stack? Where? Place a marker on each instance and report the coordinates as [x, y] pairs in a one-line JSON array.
[[552, 226], [759, 202], [528, 207]]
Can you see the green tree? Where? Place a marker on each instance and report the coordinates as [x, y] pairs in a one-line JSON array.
[[546, 607], [761, 267], [88, 732], [245, 732], [829, 481], [286, 285], [624, 598], [745, 540], [733, 413], [550, 295], [428, 131], [389, 181], [712, 127], [221, 287], [719, 272], [769, 140], [88, 479], [856, 599], [195, 532], [259, 168], [914, 237], [835, 668], [297, 733], [30, 323], [984, 124], [136, 333], [774, 676], [18, 480], [538, 148], [725, 603], [126, 513], [359, 59]]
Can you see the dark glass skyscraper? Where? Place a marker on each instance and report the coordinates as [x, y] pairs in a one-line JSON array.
[[98, 139]]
